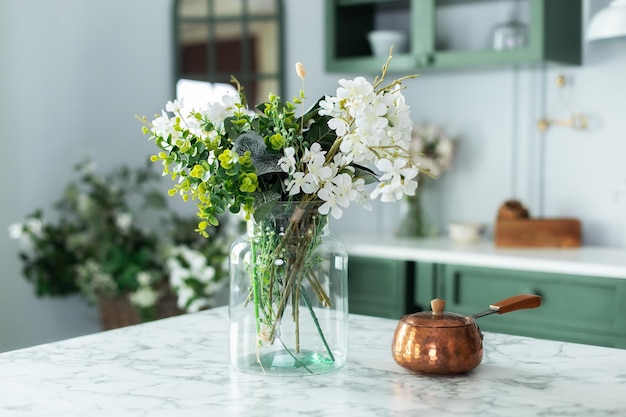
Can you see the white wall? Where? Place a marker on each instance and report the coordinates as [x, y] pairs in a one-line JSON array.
[[73, 73]]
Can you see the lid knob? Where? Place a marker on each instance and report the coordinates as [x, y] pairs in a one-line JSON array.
[[437, 306]]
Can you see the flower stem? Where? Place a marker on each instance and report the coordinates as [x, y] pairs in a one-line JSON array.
[[317, 325], [255, 286], [293, 356], [285, 262]]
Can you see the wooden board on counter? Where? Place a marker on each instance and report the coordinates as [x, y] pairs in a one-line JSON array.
[[538, 233]]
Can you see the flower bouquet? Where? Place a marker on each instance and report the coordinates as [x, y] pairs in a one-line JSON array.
[[288, 173], [433, 151]]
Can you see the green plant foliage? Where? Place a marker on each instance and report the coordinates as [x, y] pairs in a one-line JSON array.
[[114, 235]]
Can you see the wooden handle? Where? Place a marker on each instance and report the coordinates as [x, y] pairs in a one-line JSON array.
[[437, 305], [517, 302]]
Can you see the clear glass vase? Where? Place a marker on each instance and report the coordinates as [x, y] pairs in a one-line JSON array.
[[288, 294], [415, 222]]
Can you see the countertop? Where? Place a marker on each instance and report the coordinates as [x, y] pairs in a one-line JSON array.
[[587, 260], [179, 367]]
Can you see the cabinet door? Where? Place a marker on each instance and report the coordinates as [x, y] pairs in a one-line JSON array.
[[427, 284], [378, 287], [582, 309]]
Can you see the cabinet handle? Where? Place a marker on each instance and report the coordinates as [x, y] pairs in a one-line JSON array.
[[425, 60]]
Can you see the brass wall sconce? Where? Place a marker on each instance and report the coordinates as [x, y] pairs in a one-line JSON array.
[[575, 120]]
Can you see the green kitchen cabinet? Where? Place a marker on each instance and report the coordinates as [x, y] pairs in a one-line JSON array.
[[437, 40], [380, 287], [582, 309]]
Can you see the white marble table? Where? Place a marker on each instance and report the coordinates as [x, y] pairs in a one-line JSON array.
[[179, 367]]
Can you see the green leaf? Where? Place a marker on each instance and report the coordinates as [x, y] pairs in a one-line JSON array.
[[249, 141], [263, 161], [365, 173], [321, 133], [265, 202]]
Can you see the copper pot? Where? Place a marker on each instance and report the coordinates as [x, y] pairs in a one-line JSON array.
[[441, 342]]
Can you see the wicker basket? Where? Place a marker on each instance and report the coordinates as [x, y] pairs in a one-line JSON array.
[[116, 312]]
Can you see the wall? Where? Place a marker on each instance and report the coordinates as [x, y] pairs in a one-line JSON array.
[[501, 155], [73, 73]]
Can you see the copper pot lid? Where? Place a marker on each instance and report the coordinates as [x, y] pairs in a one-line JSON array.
[[437, 317]]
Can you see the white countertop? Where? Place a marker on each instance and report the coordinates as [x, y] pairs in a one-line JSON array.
[[587, 260], [179, 367]]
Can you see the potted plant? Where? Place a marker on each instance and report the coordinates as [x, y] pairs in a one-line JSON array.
[[103, 245]]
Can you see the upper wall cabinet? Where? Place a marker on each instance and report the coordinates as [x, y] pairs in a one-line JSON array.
[[453, 33]]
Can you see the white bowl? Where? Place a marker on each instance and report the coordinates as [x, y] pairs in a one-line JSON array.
[[382, 40], [465, 233]]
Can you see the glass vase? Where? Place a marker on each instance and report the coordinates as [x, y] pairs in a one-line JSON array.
[[415, 222], [288, 294]]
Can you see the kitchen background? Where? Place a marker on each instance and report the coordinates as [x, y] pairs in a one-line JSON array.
[[74, 73]]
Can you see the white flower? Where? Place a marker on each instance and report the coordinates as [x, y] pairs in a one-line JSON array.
[[371, 119], [34, 226], [144, 297], [84, 203], [337, 192], [196, 261], [185, 294], [191, 278], [123, 221], [198, 304], [177, 273], [144, 278], [288, 162], [16, 231], [175, 106], [330, 202], [218, 111], [396, 181], [354, 147], [329, 106], [307, 183], [363, 196], [195, 127], [312, 152], [206, 275], [165, 127], [339, 125], [359, 88], [318, 168]]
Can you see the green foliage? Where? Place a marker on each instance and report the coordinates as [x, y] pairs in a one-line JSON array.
[[98, 246], [227, 164]]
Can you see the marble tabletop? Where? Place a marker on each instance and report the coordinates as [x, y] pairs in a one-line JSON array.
[[179, 367]]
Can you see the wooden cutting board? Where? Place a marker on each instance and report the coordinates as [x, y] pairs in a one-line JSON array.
[[538, 233]]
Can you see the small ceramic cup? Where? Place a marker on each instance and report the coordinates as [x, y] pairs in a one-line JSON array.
[[382, 40], [465, 232]]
